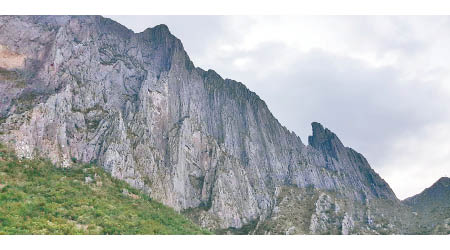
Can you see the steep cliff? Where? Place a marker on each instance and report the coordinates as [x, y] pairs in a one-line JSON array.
[[86, 88]]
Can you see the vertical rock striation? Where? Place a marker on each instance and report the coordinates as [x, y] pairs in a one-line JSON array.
[[87, 88]]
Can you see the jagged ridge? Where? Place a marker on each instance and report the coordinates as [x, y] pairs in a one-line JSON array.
[[136, 105]]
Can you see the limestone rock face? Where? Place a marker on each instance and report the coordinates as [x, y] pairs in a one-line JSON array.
[[87, 89], [320, 220], [352, 164]]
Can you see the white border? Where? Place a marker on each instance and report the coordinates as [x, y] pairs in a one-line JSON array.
[[224, 242], [229, 7]]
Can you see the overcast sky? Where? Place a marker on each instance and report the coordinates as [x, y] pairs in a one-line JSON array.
[[380, 83]]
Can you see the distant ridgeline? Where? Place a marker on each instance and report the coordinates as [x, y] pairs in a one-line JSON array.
[[433, 207]]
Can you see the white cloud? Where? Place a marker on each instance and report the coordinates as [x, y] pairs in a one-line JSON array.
[[418, 159], [242, 63]]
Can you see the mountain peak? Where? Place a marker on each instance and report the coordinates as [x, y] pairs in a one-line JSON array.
[[324, 140], [433, 204], [438, 192], [316, 126], [442, 183], [160, 30], [443, 180], [162, 27]]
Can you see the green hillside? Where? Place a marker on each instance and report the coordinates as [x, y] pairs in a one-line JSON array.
[[38, 198], [433, 208]]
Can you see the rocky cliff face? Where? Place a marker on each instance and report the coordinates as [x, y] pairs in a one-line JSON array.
[[85, 88]]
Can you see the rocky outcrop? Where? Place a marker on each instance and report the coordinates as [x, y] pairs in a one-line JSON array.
[[90, 90], [345, 160], [321, 220]]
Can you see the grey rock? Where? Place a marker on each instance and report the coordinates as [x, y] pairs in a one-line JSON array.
[[135, 104], [347, 224], [88, 179], [290, 230], [320, 220]]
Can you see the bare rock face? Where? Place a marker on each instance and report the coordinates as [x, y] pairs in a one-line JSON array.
[[321, 218], [85, 88], [345, 160]]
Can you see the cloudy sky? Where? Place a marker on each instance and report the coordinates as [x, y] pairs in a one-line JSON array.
[[380, 83]]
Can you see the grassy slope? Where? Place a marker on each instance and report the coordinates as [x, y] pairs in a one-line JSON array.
[[38, 198]]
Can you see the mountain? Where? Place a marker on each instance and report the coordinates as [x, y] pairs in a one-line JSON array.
[[87, 89], [38, 198], [433, 207]]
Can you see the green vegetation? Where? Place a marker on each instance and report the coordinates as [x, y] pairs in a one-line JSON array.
[[38, 198], [432, 207]]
